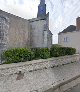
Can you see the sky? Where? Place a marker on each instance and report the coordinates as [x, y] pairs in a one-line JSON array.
[[62, 12]]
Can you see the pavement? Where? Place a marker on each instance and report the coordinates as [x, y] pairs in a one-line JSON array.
[[75, 89], [38, 80], [65, 73]]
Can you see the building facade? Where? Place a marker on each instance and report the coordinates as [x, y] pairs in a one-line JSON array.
[[41, 36], [14, 31], [70, 37], [19, 32]]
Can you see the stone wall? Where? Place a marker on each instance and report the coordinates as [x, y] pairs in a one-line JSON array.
[[41, 36], [32, 76], [37, 33], [18, 33]]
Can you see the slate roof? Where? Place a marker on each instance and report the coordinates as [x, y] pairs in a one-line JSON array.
[[70, 28]]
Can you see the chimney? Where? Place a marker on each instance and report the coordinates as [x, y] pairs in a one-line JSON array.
[[78, 24]]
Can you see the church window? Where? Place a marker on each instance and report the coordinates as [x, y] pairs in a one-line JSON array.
[[44, 38], [42, 9], [1, 25], [4, 25], [1, 35], [45, 26]]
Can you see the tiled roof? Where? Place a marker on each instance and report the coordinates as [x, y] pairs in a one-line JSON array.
[[70, 28]]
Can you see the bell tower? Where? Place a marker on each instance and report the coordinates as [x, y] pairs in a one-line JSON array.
[[42, 1], [41, 9]]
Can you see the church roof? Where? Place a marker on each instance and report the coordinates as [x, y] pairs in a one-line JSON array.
[[8, 13], [70, 28]]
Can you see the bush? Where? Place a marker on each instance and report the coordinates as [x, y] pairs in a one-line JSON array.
[[36, 52], [44, 53], [18, 55], [56, 51], [23, 54], [41, 53], [70, 51]]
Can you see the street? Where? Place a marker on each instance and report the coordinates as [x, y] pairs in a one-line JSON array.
[[75, 89]]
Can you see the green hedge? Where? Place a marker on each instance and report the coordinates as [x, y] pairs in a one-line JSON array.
[[41, 53], [18, 55], [23, 54], [61, 51]]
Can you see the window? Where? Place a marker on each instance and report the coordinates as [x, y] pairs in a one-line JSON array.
[[1, 35], [0, 25], [66, 39], [46, 26], [3, 22]]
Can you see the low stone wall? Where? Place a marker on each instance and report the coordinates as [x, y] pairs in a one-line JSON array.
[[31, 76]]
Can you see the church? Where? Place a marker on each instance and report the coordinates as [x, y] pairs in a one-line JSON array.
[[19, 32]]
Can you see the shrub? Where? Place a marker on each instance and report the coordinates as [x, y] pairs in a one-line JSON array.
[[23, 54], [41, 53], [56, 51], [70, 51], [44, 53], [18, 55], [36, 52]]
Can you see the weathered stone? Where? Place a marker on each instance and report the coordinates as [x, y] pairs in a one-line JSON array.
[[39, 79]]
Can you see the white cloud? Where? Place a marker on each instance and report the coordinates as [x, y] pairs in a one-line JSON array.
[[23, 8]]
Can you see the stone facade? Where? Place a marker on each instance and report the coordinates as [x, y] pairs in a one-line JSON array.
[[19, 32], [41, 36], [4, 27], [38, 75]]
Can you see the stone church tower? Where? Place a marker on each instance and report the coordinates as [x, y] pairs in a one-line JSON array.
[[41, 9], [41, 36]]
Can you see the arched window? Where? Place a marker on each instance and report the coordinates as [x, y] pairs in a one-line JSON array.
[[1, 35]]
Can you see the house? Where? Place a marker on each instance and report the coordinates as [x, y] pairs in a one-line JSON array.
[[70, 37]]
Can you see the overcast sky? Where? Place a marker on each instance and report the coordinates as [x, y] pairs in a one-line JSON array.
[[62, 12]]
